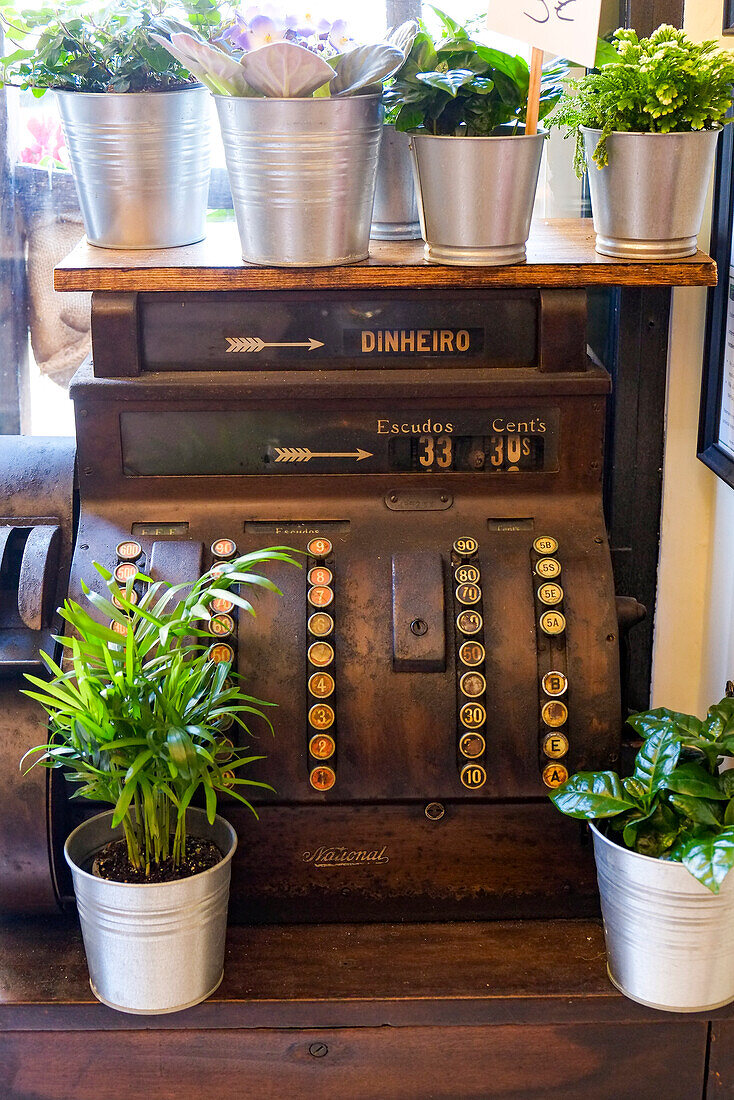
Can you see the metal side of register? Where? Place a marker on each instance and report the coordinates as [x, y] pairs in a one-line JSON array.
[[449, 651]]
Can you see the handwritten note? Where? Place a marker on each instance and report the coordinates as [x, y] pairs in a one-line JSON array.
[[567, 28]]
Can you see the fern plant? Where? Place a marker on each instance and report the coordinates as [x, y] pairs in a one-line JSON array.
[[138, 718], [658, 85]]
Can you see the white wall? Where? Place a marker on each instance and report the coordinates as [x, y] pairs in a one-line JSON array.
[[693, 653]]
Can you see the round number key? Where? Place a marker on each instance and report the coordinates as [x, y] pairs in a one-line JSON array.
[[321, 685], [466, 547], [322, 778], [118, 628], [473, 776], [320, 624], [554, 713], [548, 568], [131, 596], [554, 775], [555, 683], [472, 654], [468, 594], [320, 596], [545, 544], [472, 745], [221, 625], [550, 594], [224, 548], [321, 716], [320, 575], [473, 684], [320, 654], [555, 745], [467, 574], [552, 622], [129, 551], [125, 572], [322, 746], [319, 548], [469, 622], [221, 606], [472, 715], [221, 652]]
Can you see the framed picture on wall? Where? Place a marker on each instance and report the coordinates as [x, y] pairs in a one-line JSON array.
[[716, 423]]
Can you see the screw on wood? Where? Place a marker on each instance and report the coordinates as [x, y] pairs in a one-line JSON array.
[[318, 1050]]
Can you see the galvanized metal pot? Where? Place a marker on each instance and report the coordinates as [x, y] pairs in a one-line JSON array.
[[476, 195], [302, 174], [395, 213], [141, 165], [152, 948], [648, 202], [670, 941]]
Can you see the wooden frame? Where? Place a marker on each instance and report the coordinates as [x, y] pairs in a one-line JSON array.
[[728, 27], [710, 451]]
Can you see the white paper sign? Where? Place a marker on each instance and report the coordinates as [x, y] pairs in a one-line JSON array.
[[567, 28]]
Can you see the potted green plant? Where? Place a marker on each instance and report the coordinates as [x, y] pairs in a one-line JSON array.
[[664, 846], [300, 113], [136, 122], [646, 126], [464, 105], [395, 213], [139, 720]]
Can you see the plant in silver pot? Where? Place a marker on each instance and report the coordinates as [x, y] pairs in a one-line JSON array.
[[395, 213], [646, 126], [300, 113], [142, 717], [464, 104], [664, 846], [136, 122]]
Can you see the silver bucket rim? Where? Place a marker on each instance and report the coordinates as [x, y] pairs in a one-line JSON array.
[[636, 855], [479, 137], [301, 100], [648, 134], [158, 93], [200, 875]]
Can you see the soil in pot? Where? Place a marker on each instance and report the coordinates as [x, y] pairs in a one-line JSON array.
[[112, 863]]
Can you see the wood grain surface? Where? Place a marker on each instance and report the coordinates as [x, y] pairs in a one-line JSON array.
[[560, 254]]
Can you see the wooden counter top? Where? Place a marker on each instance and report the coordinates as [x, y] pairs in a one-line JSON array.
[[560, 254]]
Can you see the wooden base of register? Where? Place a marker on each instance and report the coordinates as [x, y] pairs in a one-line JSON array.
[[519, 1010]]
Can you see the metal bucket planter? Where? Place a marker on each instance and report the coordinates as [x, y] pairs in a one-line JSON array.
[[152, 948], [648, 202], [476, 195], [395, 213], [302, 174], [670, 941], [141, 165]]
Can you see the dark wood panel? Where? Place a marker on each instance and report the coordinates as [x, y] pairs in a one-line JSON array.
[[560, 254], [646, 15], [720, 1080], [515, 1063]]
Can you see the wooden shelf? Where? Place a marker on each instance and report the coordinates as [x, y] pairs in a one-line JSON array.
[[560, 254]]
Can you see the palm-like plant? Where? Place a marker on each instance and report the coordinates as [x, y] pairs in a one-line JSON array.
[[138, 713]]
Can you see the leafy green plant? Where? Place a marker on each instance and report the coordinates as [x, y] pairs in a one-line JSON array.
[[137, 718], [676, 805], [662, 84], [455, 85], [90, 46]]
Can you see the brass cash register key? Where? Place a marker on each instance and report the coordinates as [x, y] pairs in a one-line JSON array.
[[468, 594], [322, 778], [545, 544], [473, 684], [467, 574], [472, 654], [555, 683], [320, 575], [321, 716], [472, 715], [473, 776], [320, 596], [221, 652], [320, 624], [319, 548], [322, 746], [554, 713], [221, 606], [549, 568], [129, 550], [550, 594], [320, 654], [472, 745], [221, 625], [469, 622], [554, 775], [131, 596], [552, 622], [224, 548], [555, 745], [466, 547], [321, 685]]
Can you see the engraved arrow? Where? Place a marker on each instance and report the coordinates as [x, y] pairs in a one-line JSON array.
[[304, 454], [254, 343]]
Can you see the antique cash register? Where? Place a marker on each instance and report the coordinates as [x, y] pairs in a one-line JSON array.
[[431, 441]]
